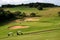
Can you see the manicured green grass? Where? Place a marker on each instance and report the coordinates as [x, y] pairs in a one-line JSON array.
[[53, 35], [49, 20]]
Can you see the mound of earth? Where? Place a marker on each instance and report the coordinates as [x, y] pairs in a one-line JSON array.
[[18, 27]]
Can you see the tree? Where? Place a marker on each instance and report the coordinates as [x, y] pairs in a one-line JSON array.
[[58, 13], [33, 14], [24, 14], [31, 4], [17, 14], [5, 15], [8, 15], [36, 4], [2, 14], [40, 8]]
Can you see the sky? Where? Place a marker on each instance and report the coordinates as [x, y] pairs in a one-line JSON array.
[[2, 2]]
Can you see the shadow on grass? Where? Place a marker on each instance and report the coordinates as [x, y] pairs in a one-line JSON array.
[[6, 22]]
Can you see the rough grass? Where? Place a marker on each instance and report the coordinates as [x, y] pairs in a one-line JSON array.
[[49, 20], [46, 12]]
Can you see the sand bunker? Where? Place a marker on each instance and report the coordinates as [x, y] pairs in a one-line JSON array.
[[31, 19], [18, 27], [27, 20]]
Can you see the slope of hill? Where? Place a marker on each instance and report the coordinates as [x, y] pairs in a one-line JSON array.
[[48, 21]]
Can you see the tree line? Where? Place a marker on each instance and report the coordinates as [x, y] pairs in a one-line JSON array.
[[30, 5], [7, 15]]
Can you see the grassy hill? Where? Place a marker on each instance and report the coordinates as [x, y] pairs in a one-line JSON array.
[[45, 12], [48, 21]]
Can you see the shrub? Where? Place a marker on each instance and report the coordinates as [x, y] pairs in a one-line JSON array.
[[5, 15], [33, 14], [40, 8], [58, 13], [24, 14], [17, 14]]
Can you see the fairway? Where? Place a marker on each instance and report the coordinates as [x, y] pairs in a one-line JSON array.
[[49, 20], [54, 35]]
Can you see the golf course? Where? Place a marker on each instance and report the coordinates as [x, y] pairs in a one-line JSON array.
[[45, 27]]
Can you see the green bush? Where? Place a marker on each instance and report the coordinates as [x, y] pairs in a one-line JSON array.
[[58, 13], [40, 8], [33, 15]]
